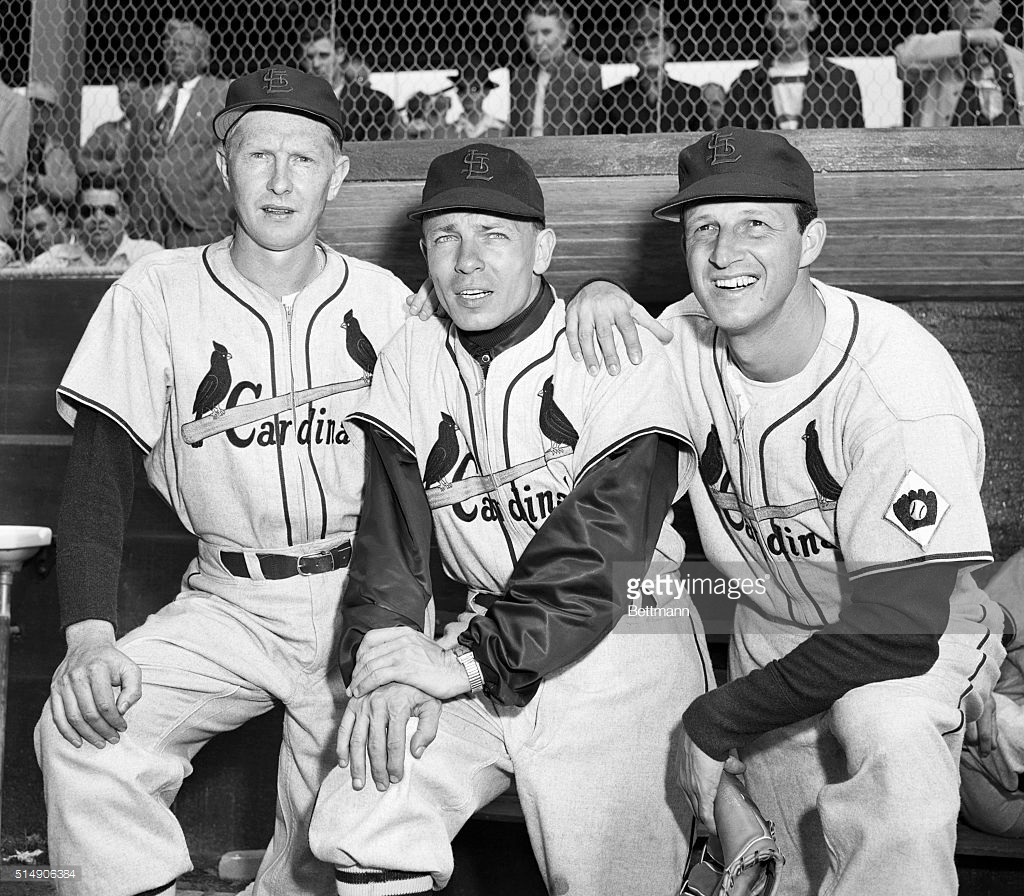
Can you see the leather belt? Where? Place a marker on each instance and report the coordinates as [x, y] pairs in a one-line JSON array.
[[284, 566]]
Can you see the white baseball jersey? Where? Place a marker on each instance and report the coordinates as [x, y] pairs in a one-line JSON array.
[[238, 400], [498, 455], [869, 459]]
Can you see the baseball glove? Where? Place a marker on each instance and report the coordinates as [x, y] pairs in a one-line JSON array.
[[744, 859]]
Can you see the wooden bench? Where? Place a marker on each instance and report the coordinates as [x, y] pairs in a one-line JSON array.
[[933, 220]]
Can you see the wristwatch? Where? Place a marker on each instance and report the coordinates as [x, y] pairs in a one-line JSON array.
[[465, 656]]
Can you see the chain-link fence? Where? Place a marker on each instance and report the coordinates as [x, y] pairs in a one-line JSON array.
[[105, 126]]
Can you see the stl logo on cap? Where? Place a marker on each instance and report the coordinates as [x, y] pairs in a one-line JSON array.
[[476, 166], [723, 149], [277, 81]]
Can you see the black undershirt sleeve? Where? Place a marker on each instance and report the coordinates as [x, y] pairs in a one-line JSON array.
[[890, 630], [389, 576], [99, 488]]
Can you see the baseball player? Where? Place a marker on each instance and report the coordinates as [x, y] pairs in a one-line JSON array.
[[549, 493], [226, 372], [841, 462]]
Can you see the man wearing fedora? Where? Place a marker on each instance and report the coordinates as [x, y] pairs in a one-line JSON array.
[[226, 372], [841, 463], [550, 495]]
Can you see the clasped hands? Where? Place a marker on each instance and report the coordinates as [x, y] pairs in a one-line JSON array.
[[400, 674]]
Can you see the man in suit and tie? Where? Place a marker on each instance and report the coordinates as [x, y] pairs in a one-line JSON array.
[[180, 199], [552, 94]]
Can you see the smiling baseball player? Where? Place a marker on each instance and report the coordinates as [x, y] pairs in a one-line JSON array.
[[841, 461], [547, 490], [228, 371]]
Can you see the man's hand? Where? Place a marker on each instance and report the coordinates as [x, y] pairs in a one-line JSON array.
[[598, 310], [375, 726], [82, 699], [984, 732], [699, 775], [424, 303], [406, 656]]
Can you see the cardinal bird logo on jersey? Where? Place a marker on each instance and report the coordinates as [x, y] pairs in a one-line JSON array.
[[215, 386], [826, 489], [444, 455], [554, 425], [712, 463], [359, 348]]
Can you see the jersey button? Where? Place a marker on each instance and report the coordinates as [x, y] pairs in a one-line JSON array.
[[486, 359]]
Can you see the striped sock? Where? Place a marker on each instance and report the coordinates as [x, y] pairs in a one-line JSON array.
[[370, 882]]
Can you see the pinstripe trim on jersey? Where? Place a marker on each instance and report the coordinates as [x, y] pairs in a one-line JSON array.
[[854, 328], [964, 557], [705, 660], [107, 412], [970, 686], [449, 344], [508, 393], [633, 436], [309, 384], [505, 415], [378, 424], [273, 387]]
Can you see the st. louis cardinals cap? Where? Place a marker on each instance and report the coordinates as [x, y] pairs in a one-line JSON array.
[[482, 178], [282, 89], [733, 163]]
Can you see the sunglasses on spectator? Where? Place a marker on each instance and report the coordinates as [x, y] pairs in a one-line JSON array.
[[87, 211]]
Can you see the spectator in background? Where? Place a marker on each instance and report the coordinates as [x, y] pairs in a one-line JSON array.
[[179, 195], [107, 152], [40, 230], [426, 118], [100, 238], [794, 87], [714, 105], [652, 101], [369, 114], [473, 84], [49, 168], [553, 94], [967, 75], [14, 128]]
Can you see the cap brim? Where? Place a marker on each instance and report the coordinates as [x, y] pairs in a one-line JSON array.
[[728, 186], [226, 120], [476, 200]]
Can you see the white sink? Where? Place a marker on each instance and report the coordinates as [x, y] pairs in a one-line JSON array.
[[18, 543]]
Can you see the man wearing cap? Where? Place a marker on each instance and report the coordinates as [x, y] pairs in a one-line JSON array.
[[841, 463], [226, 372], [548, 491]]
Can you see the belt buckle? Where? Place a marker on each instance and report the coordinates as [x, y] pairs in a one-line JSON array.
[[322, 562]]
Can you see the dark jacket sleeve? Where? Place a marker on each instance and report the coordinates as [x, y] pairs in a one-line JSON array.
[[561, 599], [389, 576], [99, 489], [890, 630]]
